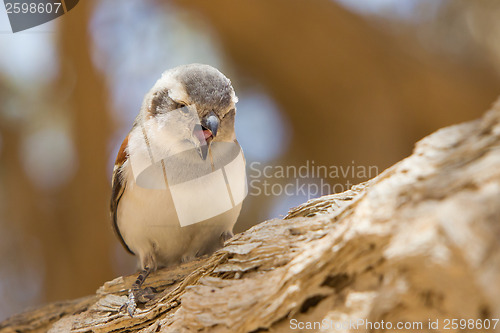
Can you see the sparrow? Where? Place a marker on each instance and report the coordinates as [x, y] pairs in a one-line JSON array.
[[179, 178]]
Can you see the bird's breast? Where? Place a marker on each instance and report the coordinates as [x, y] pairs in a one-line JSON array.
[[180, 205]]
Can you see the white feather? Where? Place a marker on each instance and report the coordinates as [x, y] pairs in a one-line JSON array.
[[147, 218]]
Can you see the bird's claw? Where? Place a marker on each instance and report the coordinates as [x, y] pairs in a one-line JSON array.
[[130, 305], [135, 296]]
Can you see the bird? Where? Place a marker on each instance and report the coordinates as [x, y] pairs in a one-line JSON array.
[[179, 177]]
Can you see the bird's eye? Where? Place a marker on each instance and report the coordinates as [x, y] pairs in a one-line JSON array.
[[184, 109], [181, 106]]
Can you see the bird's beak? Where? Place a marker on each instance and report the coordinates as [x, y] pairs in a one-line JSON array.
[[210, 126], [210, 122]]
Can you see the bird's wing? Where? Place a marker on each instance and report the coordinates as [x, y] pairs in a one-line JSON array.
[[118, 185]]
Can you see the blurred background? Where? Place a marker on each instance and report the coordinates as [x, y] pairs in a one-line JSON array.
[[344, 84]]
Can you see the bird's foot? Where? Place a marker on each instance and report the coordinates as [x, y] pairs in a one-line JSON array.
[[135, 296], [225, 236]]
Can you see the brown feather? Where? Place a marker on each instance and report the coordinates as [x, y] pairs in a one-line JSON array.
[[118, 187]]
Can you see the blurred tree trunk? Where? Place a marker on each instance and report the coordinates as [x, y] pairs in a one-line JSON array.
[[351, 91], [22, 218], [80, 238]]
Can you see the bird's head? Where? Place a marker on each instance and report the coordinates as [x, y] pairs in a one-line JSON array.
[[198, 103]]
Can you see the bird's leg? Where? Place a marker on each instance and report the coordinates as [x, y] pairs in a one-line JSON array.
[[136, 294]]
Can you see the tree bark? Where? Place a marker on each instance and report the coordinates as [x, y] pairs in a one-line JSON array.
[[416, 244]]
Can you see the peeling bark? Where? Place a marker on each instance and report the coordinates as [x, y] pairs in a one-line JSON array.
[[420, 241]]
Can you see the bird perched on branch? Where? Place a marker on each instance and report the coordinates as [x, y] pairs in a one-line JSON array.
[[179, 178]]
